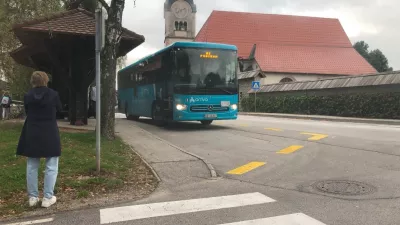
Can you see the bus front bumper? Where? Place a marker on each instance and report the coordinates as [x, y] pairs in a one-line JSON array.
[[199, 116]]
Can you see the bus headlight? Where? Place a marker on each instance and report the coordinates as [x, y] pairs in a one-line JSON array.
[[181, 107], [234, 107]]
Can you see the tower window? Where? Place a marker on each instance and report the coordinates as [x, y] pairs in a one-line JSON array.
[[176, 25], [185, 26], [181, 25]]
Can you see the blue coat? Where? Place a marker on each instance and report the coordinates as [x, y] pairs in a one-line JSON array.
[[40, 136]]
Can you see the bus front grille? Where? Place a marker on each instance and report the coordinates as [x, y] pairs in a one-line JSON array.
[[208, 108]]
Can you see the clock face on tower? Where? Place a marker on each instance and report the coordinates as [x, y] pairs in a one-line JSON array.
[[181, 9]]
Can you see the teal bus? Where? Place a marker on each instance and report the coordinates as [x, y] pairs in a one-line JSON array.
[[186, 81]]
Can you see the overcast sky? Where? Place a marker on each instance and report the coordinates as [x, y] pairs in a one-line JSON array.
[[374, 21]]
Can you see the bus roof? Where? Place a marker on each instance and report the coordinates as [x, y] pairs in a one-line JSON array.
[[208, 45]]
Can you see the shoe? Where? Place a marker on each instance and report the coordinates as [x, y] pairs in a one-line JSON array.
[[33, 201], [47, 202]]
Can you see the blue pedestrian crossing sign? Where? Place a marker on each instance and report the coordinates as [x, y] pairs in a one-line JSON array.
[[255, 85]]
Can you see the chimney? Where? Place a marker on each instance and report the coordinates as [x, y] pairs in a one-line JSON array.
[[253, 52]]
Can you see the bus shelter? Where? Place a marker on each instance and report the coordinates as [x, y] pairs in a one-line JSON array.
[[63, 45]]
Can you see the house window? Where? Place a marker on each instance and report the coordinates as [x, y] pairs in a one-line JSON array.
[[286, 80]]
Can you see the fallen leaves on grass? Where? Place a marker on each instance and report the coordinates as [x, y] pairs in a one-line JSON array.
[[123, 174]]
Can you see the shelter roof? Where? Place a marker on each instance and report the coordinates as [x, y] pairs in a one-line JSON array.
[[60, 28], [74, 22]]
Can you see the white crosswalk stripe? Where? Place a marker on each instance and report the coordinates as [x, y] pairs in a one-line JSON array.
[[136, 212], [290, 219]]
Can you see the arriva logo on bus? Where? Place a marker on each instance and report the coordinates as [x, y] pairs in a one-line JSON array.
[[201, 99]]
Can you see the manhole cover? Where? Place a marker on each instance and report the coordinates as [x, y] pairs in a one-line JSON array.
[[344, 187]]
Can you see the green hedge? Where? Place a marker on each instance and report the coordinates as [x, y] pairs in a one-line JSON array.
[[377, 105]]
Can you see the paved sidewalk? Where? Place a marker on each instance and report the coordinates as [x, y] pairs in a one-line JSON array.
[[173, 165], [65, 124], [325, 118]]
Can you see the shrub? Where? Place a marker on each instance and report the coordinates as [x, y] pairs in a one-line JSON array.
[[374, 105]]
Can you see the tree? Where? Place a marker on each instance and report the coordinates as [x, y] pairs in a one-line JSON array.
[[113, 34], [376, 58], [121, 62], [89, 5], [362, 48], [109, 60], [379, 61], [16, 11]]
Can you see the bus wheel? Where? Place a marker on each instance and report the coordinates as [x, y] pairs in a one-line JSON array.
[[206, 122]]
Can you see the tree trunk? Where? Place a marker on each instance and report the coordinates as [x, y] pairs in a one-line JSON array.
[[109, 68]]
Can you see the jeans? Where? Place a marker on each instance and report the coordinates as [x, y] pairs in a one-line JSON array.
[[50, 176], [5, 113]]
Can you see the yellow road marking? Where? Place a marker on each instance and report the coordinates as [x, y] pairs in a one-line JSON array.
[[315, 137], [273, 129], [246, 168], [290, 149], [244, 125]]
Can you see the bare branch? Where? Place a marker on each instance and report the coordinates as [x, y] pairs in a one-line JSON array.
[[105, 5]]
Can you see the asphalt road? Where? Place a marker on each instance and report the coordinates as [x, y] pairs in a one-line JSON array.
[[271, 171]]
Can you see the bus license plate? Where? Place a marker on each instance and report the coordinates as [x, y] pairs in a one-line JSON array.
[[211, 116], [225, 103]]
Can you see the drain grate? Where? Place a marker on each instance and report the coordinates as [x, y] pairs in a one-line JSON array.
[[344, 187]]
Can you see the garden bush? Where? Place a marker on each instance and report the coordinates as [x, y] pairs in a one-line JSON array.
[[374, 105]]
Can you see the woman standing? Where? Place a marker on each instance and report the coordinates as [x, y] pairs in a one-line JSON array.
[[40, 138], [6, 102]]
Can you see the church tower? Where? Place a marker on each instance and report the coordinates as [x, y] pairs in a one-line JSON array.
[[180, 21]]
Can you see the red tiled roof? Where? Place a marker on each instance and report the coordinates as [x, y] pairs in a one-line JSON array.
[[77, 21], [287, 44]]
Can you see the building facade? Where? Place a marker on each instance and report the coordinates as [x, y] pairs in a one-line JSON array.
[[245, 80], [251, 65], [180, 21]]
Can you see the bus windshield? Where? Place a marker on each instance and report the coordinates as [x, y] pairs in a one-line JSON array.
[[205, 71]]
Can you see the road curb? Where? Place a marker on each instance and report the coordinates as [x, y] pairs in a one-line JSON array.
[[325, 118], [210, 167], [148, 164]]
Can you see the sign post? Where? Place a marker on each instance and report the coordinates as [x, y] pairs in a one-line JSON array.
[[255, 85], [99, 39]]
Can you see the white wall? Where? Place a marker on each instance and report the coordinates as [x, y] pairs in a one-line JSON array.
[[273, 78]]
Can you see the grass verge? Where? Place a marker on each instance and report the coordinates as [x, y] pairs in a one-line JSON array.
[[123, 172]]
